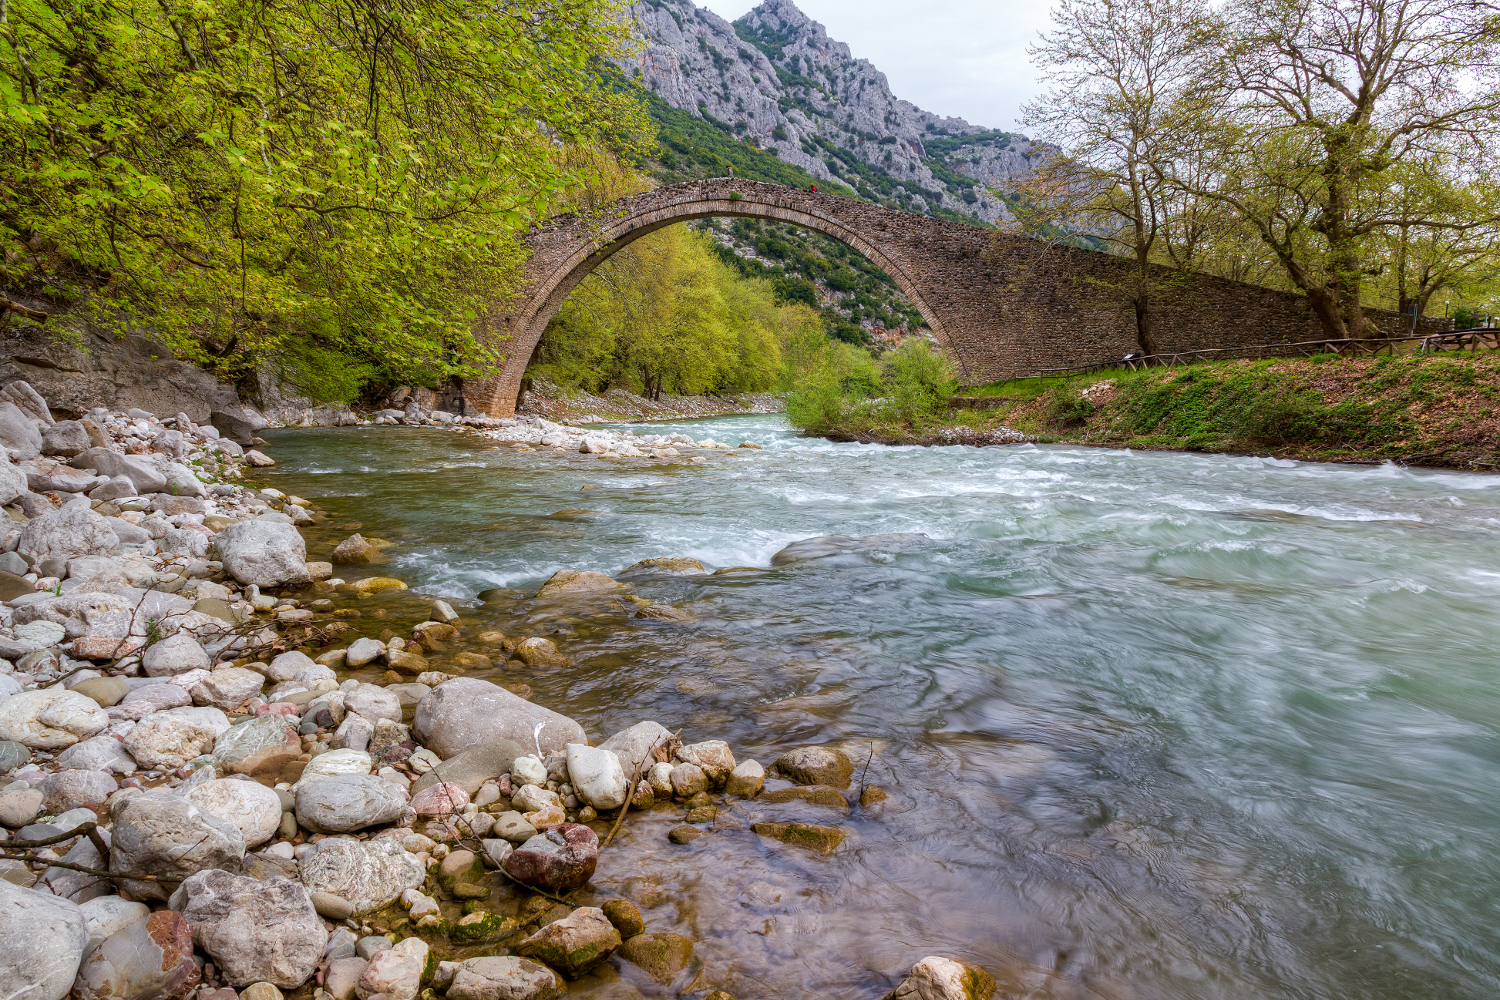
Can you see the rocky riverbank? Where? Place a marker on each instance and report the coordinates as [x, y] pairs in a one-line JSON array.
[[217, 783], [546, 400]]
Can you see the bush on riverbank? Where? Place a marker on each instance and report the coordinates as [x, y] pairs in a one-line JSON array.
[[839, 390], [1427, 410]]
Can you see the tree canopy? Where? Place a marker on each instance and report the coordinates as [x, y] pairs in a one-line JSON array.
[[1342, 148], [341, 183]]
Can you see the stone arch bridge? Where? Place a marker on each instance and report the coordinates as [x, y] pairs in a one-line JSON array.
[[1003, 306]]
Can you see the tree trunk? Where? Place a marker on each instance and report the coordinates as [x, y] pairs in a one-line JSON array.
[[1143, 325], [1326, 307]]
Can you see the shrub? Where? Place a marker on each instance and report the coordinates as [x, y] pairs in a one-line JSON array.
[[918, 380]]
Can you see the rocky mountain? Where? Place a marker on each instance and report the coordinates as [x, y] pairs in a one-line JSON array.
[[775, 80]]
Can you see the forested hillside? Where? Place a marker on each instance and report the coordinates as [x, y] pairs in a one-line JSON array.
[[856, 298]]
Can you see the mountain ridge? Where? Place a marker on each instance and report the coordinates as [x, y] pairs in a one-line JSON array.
[[775, 80]]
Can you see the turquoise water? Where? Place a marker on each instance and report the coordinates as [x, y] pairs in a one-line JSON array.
[[1152, 724]]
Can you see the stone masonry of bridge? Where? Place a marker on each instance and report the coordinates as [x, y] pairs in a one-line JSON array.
[[1002, 306]]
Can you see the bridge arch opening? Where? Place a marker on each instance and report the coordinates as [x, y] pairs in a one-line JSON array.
[[570, 249]]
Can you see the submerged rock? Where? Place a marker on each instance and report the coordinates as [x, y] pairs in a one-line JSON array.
[[822, 839], [662, 955], [539, 652], [816, 766], [626, 917], [818, 795], [823, 546]]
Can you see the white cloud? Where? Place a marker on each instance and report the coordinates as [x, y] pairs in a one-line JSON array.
[[953, 57]]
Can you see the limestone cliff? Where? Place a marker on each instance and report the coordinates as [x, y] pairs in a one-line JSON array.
[[777, 81]]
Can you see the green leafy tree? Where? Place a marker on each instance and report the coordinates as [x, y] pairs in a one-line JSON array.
[[1121, 71], [664, 314], [1320, 102], [918, 380], [246, 175]]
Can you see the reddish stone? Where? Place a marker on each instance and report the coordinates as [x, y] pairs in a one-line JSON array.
[[151, 959], [558, 859], [441, 799]]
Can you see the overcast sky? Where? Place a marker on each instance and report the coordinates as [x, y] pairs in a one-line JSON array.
[[950, 57]]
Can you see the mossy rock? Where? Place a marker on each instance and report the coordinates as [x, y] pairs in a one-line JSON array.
[[978, 984], [669, 566], [818, 795], [470, 890], [553, 913], [822, 839], [625, 915], [375, 584], [572, 962], [661, 955], [453, 872], [872, 795], [481, 926]]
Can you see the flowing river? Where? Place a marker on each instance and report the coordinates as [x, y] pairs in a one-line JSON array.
[[1153, 725]]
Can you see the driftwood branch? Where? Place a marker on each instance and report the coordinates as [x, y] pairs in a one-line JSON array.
[[13, 306], [48, 841]]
